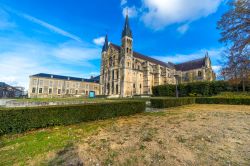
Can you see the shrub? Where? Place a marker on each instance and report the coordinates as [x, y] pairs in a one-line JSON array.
[[17, 120], [195, 89], [233, 101], [171, 102]]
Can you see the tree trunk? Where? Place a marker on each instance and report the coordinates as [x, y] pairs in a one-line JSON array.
[[243, 85]]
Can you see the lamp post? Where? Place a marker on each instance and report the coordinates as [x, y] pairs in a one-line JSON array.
[[176, 85]]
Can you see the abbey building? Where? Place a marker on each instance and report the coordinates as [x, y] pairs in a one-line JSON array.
[[125, 72]]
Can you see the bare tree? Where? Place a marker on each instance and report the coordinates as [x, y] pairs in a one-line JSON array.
[[235, 32]]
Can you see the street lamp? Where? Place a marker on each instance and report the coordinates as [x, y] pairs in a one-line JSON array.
[[176, 76]]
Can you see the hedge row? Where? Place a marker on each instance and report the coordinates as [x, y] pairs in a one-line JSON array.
[[17, 120], [196, 89], [171, 102], [174, 102], [233, 101]]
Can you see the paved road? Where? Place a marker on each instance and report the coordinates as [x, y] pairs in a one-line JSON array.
[[3, 101]]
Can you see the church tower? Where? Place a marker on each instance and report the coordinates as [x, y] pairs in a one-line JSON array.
[[126, 60], [102, 71]]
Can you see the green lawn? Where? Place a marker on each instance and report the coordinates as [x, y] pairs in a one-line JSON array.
[[35, 145]]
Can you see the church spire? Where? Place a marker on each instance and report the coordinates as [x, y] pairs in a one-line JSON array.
[[106, 44], [126, 30]]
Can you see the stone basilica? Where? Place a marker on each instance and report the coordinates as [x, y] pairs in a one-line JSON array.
[[125, 72]]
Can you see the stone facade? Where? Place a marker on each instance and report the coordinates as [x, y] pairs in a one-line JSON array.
[[125, 72], [48, 85]]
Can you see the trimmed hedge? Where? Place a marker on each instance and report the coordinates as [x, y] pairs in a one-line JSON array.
[[17, 120], [233, 101], [196, 89], [174, 102], [171, 102]]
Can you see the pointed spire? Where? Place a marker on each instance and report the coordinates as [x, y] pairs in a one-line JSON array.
[[126, 30], [106, 44], [206, 54]]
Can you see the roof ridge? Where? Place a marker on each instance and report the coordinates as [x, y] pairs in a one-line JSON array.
[[191, 61]]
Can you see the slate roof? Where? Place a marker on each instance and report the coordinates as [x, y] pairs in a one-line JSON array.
[[144, 57], [190, 65], [44, 75], [2, 84]]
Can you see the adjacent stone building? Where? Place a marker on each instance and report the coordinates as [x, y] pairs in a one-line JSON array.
[[125, 72], [48, 85]]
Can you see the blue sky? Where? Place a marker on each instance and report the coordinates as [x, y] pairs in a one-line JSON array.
[[65, 37]]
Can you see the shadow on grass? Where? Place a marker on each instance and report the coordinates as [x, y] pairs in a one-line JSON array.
[[68, 156]]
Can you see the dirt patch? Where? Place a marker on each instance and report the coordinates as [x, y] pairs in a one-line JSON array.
[[189, 135]]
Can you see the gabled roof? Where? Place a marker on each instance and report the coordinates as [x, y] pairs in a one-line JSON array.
[[144, 57], [44, 75], [190, 65]]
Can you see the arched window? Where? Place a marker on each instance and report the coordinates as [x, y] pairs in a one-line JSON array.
[[199, 74]]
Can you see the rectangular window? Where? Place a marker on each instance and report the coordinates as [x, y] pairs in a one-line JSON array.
[[34, 82], [55, 83], [50, 83], [78, 85], [59, 83], [40, 90], [50, 90], [59, 91], [33, 90], [67, 91], [76, 92], [41, 82]]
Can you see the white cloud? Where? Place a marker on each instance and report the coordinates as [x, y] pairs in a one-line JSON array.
[[99, 41], [24, 57], [124, 2], [76, 54], [46, 25], [183, 29], [131, 11], [161, 13], [216, 68]]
